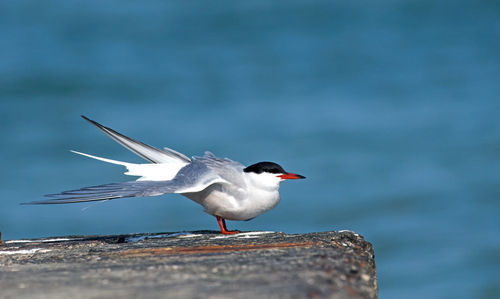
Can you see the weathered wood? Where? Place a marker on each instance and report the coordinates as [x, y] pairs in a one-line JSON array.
[[190, 265]]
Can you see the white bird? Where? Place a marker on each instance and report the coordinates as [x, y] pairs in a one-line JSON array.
[[225, 188]]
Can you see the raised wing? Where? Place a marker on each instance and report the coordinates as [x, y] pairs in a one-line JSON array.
[[143, 150]]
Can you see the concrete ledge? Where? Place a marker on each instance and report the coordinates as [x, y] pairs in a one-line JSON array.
[[203, 264]]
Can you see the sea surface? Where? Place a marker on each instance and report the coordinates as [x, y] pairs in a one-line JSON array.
[[389, 108]]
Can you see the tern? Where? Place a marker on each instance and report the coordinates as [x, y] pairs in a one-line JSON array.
[[225, 188]]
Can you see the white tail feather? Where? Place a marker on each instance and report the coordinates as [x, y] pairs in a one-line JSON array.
[[146, 172], [103, 159]]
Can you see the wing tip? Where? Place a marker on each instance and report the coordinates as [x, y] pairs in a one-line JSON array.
[[92, 121], [33, 203], [67, 201]]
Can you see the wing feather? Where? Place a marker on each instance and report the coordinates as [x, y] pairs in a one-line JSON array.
[[143, 150], [193, 178], [111, 191]]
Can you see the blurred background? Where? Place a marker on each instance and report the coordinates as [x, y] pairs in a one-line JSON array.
[[390, 108]]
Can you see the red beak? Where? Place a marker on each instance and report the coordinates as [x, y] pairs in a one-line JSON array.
[[291, 176]]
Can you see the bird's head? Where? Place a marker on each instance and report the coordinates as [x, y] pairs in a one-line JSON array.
[[269, 174]]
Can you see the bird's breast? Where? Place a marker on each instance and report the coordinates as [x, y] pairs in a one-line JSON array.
[[235, 203]]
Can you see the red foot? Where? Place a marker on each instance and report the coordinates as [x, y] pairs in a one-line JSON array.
[[223, 228]]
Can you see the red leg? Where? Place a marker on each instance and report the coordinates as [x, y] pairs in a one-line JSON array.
[[223, 228]]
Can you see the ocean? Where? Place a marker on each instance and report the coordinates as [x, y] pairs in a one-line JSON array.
[[389, 108]]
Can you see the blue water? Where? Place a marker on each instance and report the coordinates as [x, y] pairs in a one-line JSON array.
[[390, 108]]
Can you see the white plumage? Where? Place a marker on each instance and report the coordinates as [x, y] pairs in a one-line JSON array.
[[145, 172]]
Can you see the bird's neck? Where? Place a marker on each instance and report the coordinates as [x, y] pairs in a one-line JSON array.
[[264, 182]]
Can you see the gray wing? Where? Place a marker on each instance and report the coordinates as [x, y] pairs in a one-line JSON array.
[[109, 191], [143, 150], [227, 169], [194, 177]]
